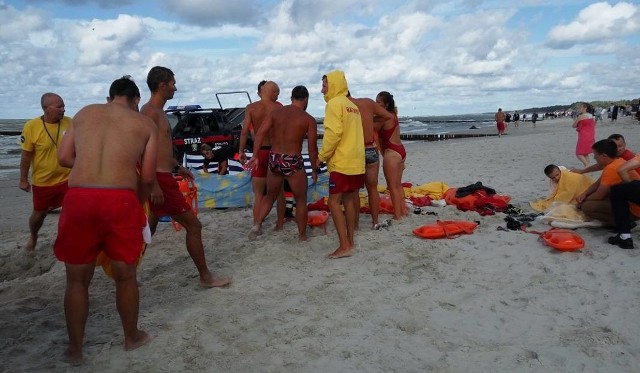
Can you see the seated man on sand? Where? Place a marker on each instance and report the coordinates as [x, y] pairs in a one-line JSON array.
[[594, 202], [566, 186], [625, 202], [623, 153]]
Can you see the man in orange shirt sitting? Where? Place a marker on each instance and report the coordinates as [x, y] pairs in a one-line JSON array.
[[594, 202], [624, 198]]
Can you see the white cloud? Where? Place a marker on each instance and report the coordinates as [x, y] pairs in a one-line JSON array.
[[595, 23], [434, 57], [16, 24], [108, 41], [214, 12]]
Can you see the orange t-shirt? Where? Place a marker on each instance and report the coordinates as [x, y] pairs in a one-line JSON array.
[[610, 177]]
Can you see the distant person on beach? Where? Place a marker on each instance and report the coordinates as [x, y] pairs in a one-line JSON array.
[[255, 115], [585, 125], [343, 150], [625, 203], [166, 197], [534, 119], [594, 202], [40, 139], [102, 211], [220, 155], [368, 109], [614, 113], [516, 119], [394, 155], [500, 122], [287, 128]]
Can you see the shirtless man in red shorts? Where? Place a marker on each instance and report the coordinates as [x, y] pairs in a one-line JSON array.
[[102, 209], [500, 122], [166, 198], [287, 128], [255, 114]]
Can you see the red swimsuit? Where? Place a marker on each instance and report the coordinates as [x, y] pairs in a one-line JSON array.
[[385, 140]]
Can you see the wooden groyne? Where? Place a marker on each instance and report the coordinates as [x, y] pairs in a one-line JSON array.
[[408, 137], [439, 137], [443, 136]]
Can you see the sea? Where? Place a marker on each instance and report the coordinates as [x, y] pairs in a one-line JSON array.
[[416, 125]]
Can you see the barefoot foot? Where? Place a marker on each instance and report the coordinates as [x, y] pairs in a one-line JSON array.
[[31, 245], [140, 339], [73, 358], [215, 282], [254, 232], [340, 253]]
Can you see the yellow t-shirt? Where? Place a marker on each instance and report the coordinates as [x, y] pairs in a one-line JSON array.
[[43, 139]]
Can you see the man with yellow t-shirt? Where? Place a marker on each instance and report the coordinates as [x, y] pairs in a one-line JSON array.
[[343, 150], [40, 138], [594, 202]]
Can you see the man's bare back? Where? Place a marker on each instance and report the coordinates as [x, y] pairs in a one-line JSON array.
[[290, 125], [110, 139], [368, 108], [257, 112]]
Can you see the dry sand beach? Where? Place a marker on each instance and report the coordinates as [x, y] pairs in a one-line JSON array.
[[493, 301]]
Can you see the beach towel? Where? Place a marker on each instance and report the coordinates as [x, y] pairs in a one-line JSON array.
[[433, 190], [570, 186], [564, 215], [222, 191]]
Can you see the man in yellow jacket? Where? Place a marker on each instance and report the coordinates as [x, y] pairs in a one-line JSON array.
[[343, 150]]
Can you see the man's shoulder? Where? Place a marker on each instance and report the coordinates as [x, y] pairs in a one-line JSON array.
[[627, 154], [613, 166]]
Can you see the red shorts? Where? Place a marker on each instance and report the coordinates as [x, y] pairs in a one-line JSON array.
[[500, 126], [174, 201], [341, 183], [48, 197], [263, 162], [96, 219]]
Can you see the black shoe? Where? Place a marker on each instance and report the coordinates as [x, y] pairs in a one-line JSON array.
[[626, 244]]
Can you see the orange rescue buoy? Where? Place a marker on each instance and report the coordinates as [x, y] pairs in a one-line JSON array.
[[448, 229], [562, 239], [317, 218]]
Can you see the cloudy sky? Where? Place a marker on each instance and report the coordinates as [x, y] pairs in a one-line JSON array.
[[435, 57]]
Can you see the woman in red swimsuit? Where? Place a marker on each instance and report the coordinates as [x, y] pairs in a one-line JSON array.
[[393, 153]]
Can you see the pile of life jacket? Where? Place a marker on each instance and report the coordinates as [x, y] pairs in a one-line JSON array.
[[477, 197]]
